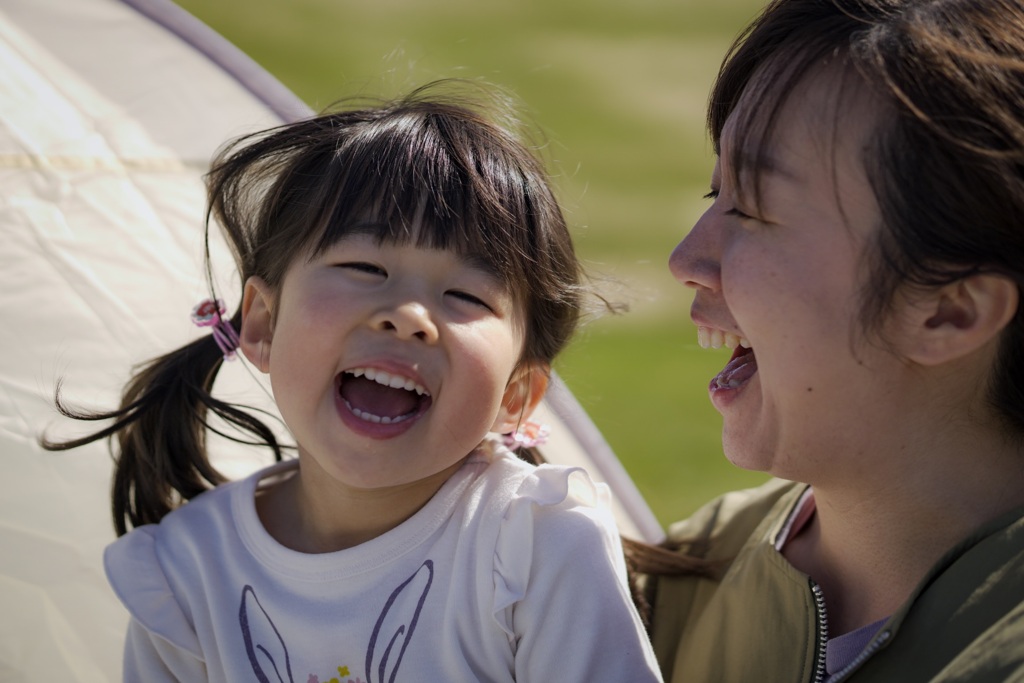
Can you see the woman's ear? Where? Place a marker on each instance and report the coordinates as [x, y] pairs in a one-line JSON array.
[[961, 317], [523, 393], [257, 323]]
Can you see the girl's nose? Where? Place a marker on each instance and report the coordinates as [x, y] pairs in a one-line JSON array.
[[407, 320], [696, 261]]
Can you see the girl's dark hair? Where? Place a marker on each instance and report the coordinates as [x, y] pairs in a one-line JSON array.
[[473, 186], [946, 163]]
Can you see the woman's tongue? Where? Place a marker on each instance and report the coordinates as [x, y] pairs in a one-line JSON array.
[[738, 370], [371, 398]]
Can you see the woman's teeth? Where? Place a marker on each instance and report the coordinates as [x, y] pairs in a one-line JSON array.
[[389, 380], [710, 338]]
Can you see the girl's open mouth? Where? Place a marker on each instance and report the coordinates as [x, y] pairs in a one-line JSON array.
[[379, 397]]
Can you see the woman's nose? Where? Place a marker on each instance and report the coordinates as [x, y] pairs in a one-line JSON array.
[[407, 320], [696, 261]]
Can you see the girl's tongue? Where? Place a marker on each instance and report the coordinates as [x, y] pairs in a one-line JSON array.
[[738, 370], [372, 398]]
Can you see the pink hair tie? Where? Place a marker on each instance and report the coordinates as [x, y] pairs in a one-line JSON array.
[[529, 435], [209, 313]]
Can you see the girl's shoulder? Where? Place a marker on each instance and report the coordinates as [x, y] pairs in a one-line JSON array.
[[205, 520], [154, 568], [134, 572], [556, 547], [519, 485], [527, 504]]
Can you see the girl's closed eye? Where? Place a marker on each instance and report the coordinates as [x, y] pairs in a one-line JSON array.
[[472, 299], [363, 267]]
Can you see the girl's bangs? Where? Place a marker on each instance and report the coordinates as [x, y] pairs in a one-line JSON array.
[[404, 183]]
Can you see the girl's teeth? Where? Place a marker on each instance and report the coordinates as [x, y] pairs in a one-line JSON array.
[[370, 417], [709, 338], [388, 380]]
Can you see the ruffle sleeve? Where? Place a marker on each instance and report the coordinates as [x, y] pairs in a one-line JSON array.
[[134, 571], [545, 493], [560, 589]]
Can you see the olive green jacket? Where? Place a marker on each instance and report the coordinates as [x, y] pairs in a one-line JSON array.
[[764, 621]]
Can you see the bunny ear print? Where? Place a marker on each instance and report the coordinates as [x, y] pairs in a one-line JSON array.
[[396, 624], [263, 643]]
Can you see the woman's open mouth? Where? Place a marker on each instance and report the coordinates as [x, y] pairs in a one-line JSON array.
[[741, 366]]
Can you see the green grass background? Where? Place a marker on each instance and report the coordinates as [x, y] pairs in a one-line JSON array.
[[619, 90]]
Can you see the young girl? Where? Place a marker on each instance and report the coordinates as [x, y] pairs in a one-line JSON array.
[[408, 279]]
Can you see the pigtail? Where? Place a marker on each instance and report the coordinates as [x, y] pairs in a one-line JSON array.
[[160, 433]]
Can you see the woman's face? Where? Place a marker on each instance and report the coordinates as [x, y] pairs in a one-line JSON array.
[[784, 275]]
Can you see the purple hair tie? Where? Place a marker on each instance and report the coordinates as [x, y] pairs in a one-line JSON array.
[[209, 313]]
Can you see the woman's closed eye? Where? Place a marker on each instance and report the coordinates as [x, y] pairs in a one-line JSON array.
[[734, 211], [738, 214]]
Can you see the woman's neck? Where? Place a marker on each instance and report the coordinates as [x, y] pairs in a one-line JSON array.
[[870, 544]]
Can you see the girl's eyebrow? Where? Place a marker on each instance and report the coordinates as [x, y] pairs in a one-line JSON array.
[[371, 228], [479, 263], [363, 228], [367, 228]]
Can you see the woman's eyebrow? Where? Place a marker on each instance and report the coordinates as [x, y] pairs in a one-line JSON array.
[[762, 163]]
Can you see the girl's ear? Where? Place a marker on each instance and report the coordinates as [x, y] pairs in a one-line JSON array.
[[257, 323], [960, 318], [523, 393]]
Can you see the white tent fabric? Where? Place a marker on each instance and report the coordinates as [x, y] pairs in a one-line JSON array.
[[109, 113]]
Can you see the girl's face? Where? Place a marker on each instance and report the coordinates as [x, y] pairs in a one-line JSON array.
[[389, 363], [784, 275]]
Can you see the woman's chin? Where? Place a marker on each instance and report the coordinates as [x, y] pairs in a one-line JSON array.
[[744, 443], [750, 459]]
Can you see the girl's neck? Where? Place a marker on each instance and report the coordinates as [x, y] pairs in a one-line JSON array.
[[310, 515]]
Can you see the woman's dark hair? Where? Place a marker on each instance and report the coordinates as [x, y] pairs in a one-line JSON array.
[[431, 169], [946, 163]]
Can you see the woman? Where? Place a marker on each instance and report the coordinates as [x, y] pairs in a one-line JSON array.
[[864, 254]]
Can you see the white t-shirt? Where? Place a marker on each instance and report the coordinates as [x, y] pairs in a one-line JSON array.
[[509, 572]]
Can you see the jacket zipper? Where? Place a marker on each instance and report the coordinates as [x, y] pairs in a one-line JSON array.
[[820, 659], [822, 635]]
